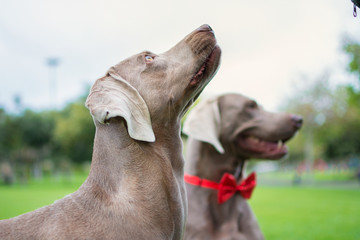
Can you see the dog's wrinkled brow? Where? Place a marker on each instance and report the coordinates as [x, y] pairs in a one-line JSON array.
[[147, 53]]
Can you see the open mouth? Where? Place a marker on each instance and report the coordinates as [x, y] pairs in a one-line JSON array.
[[205, 73], [208, 68], [257, 147]]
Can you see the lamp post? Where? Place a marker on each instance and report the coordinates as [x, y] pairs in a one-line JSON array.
[[52, 63]]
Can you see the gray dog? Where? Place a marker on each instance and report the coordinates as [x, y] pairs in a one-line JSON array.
[[135, 189], [223, 133]]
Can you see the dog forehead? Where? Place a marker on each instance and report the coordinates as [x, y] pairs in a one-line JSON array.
[[129, 67], [233, 102], [131, 61]]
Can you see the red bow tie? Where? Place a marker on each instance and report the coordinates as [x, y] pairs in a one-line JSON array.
[[227, 186]]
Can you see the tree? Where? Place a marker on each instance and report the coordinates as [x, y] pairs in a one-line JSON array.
[[345, 131], [28, 137], [353, 50], [321, 106], [331, 115], [74, 132]]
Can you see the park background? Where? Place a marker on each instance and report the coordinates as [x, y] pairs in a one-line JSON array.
[[301, 57]]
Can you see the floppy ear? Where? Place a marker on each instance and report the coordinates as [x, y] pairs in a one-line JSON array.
[[112, 96], [203, 123]]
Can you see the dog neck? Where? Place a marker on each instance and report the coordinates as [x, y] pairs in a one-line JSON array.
[[116, 154], [111, 154], [124, 169], [204, 161]]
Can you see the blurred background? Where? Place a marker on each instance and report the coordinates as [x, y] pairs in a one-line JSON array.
[[301, 57]]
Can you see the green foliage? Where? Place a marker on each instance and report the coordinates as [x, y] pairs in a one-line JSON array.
[[331, 115], [330, 122], [322, 109], [343, 136], [28, 130], [74, 133], [353, 50], [35, 129], [30, 139]]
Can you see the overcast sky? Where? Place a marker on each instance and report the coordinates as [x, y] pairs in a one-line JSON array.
[[266, 45]]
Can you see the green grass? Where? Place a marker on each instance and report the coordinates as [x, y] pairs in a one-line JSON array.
[[284, 213], [307, 213], [19, 199]]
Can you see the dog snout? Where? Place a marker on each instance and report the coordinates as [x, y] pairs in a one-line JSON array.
[[296, 121], [202, 41], [205, 28]]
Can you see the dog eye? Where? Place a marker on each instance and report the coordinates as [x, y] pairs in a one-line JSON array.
[[252, 105], [148, 59]]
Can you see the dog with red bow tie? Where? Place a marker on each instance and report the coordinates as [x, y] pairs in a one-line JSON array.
[[223, 133]]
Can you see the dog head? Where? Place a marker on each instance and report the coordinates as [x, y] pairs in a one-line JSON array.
[[237, 125], [150, 89]]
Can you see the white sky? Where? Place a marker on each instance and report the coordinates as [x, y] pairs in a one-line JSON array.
[[266, 45]]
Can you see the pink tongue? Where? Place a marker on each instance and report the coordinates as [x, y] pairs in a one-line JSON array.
[[259, 146]]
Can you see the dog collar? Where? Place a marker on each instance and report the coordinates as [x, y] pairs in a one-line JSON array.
[[227, 186]]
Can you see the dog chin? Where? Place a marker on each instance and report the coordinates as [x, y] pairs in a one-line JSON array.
[[276, 155]]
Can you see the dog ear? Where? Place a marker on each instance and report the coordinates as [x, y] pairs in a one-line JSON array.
[[112, 96], [203, 123]]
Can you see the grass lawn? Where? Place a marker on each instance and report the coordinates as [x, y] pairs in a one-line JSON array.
[[19, 199], [284, 213], [292, 213]]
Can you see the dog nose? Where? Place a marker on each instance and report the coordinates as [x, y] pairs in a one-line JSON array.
[[205, 28], [297, 121]]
